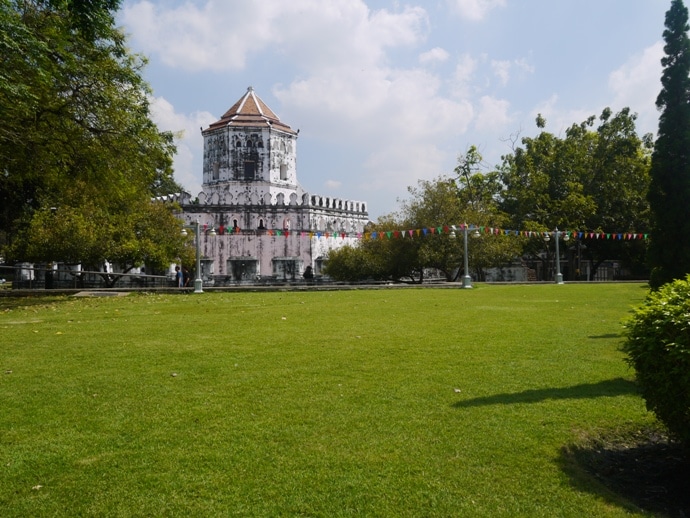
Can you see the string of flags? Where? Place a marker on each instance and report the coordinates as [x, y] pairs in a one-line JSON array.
[[444, 229]]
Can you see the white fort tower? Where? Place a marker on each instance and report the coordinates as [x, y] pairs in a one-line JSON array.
[[267, 226]]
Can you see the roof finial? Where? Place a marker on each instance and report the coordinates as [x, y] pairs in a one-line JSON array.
[[250, 89]]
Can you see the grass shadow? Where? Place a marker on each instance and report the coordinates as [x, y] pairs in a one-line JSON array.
[[608, 335], [608, 388], [640, 469]]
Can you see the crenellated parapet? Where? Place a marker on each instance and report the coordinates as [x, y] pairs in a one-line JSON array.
[[183, 198], [228, 198]]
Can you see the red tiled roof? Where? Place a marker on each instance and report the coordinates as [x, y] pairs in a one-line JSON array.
[[250, 111]]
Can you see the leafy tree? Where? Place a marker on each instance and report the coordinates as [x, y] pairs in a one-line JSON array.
[[669, 192], [434, 204], [77, 136], [479, 196], [382, 255], [349, 264], [591, 180]]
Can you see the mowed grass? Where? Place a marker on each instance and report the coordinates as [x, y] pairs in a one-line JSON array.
[[393, 402]]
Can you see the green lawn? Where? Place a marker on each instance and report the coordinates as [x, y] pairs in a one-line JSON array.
[[400, 402]]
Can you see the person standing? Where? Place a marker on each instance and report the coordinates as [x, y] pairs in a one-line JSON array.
[[179, 278]]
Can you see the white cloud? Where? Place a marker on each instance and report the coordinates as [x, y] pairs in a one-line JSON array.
[[437, 54], [401, 164], [524, 66], [187, 128], [187, 36], [502, 70], [463, 76], [396, 119], [636, 84], [492, 114], [224, 35], [475, 9]]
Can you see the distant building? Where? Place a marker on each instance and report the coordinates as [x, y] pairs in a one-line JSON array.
[[268, 227]]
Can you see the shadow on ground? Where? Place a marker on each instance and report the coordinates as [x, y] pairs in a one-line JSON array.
[[637, 470], [645, 470], [607, 388]]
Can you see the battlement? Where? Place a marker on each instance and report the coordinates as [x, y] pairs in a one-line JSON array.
[[277, 200]]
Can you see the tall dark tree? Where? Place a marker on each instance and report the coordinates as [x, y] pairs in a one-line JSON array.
[[669, 192]]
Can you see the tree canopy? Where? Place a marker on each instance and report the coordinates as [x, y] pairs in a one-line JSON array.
[[80, 156], [591, 180]]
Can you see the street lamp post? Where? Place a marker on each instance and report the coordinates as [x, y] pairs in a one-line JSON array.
[[198, 283], [559, 275], [466, 279]]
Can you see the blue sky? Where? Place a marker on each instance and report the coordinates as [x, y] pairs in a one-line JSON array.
[[384, 92]]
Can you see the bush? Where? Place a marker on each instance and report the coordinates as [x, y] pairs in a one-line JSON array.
[[658, 347]]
